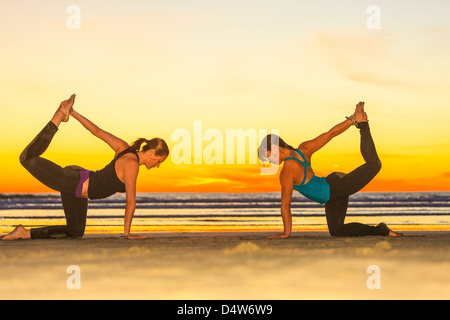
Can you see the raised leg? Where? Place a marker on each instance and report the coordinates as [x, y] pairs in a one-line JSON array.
[[344, 185], [47, 172]]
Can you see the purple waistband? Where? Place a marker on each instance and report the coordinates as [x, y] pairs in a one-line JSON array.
[[84, 175]]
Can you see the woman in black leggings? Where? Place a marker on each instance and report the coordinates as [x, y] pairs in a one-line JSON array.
[[77, 185], [334, 190]]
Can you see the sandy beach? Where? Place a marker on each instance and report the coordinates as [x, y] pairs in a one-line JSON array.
[[222, 266]]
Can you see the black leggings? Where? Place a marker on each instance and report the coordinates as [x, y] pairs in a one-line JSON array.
[[64, 180], [343, 185]]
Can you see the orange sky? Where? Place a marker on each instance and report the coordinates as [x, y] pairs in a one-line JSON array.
[[146, 69]]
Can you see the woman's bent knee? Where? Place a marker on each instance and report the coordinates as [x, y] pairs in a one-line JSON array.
[[23, 157], [377, 166]]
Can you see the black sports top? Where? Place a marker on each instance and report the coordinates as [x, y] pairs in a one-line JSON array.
[[105, 183]]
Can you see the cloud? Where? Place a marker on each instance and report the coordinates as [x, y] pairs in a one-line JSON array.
[[445, 175], [379, 60]]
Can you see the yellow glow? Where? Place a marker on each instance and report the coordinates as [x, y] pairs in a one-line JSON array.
[[146, 71]]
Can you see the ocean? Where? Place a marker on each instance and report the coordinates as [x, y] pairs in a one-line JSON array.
[[198, 212]]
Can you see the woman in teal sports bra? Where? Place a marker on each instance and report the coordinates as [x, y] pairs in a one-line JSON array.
[[335, 189]]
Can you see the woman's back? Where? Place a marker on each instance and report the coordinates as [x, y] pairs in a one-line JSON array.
[[106, 182]]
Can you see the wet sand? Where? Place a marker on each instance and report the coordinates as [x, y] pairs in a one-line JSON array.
[[223, 266]]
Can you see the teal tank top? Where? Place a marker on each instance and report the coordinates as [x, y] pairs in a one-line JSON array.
[[317, 189]]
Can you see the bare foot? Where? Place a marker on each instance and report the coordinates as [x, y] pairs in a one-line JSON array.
[[360, 115], [390, 232], [19, 233], [64, 110], [66, 107], [395, 234], [360, 106]]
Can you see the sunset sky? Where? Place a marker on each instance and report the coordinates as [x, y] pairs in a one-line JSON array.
[[148, 68]]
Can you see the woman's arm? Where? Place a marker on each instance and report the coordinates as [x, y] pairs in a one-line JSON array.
[[118, 145], [312, 146], [287, 187], [131, 170]]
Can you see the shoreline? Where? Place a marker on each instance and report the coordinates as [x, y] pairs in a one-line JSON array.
[[228, 265]]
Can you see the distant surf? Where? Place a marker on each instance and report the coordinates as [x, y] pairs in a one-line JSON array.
[[259, 210]]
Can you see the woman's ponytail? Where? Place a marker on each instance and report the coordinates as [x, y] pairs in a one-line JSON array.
[[157, 144]]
